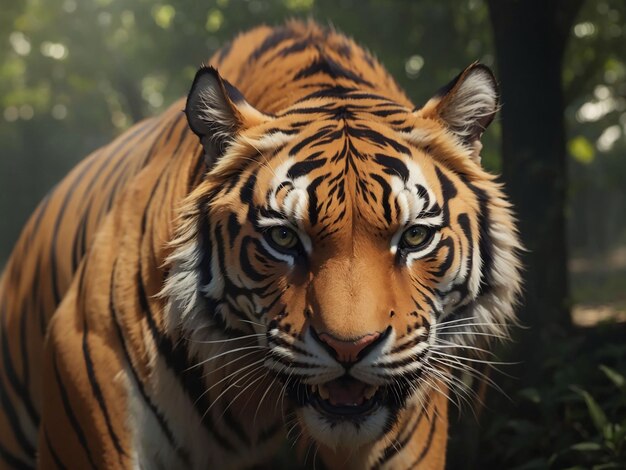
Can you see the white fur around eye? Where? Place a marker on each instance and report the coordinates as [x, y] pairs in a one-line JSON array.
[[276, 222], [290, 260]]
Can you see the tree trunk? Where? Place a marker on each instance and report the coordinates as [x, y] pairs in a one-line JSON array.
[[530, 38]]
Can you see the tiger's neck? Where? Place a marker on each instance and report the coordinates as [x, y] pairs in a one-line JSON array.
[[417, 440]]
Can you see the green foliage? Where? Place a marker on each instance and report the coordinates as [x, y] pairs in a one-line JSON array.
[[574, 416], [609, 444]]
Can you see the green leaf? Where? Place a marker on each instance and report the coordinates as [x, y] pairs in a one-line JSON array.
[[581, 149], [163, 15], [586, 446], [614, 376], [538, 463], [214, 20], [604, 466], [530, 394], [597, 415]]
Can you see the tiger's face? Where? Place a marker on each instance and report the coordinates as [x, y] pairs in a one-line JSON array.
[[350, 232], [363, 244]]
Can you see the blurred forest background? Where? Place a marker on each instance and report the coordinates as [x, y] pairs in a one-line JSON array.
[[74, 74]]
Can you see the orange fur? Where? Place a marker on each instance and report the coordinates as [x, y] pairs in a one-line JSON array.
[[110, 355]]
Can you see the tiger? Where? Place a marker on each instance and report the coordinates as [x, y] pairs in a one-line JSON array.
[[292, 255]]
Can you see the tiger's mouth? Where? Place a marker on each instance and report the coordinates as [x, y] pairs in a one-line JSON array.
[[345, 398]]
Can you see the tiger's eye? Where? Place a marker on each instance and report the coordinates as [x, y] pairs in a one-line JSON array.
[[415, 236], [284, 237]]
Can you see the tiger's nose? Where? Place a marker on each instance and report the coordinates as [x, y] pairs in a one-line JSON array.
[[347, 351]]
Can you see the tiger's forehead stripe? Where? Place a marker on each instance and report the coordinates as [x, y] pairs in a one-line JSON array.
[[305, 182]]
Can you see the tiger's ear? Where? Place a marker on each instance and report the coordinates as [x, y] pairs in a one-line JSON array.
[[466, 105], [216, 112]]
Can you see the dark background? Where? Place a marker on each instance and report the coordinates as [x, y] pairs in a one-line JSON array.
[[74, 74]]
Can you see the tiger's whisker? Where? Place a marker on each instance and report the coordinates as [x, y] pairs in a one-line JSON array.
[[239, 338], [230, 351]]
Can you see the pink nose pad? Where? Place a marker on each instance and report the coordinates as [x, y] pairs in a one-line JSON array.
[[348, 351]]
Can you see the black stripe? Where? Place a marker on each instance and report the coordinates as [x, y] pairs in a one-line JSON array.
[[464, 223], [41, 210], [144, 215], [296, 47], [448, 192], [223, 52], [413, 359], [273, 40], [393, 166], [24, 352], [97, 392], [41, 307], [386, 193], [79, 243], [321, 109], [304, 168], [410, 344], [266, 434], [244, 259], [229, 287], [55, 456], [375, 137], [344, 50], [397, 445], [247, 190], [314, 155], [312, 192], [78, 430], [306, 141], [14, 462], [388, 112], [234, 227], [324, 65], [236, 426], [330, 91], [14, 421], [205, 247], [429, 440], [278, 341], [18, 387], [485, 244], [449, 258]]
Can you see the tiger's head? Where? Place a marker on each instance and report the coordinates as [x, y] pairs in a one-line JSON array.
[[360, 241]]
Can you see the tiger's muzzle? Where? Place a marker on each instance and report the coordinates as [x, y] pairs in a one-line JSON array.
[[353, 395]]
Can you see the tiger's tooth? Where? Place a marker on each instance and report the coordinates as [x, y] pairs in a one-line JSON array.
[[323, 391], [314, 388], [370, 391]]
